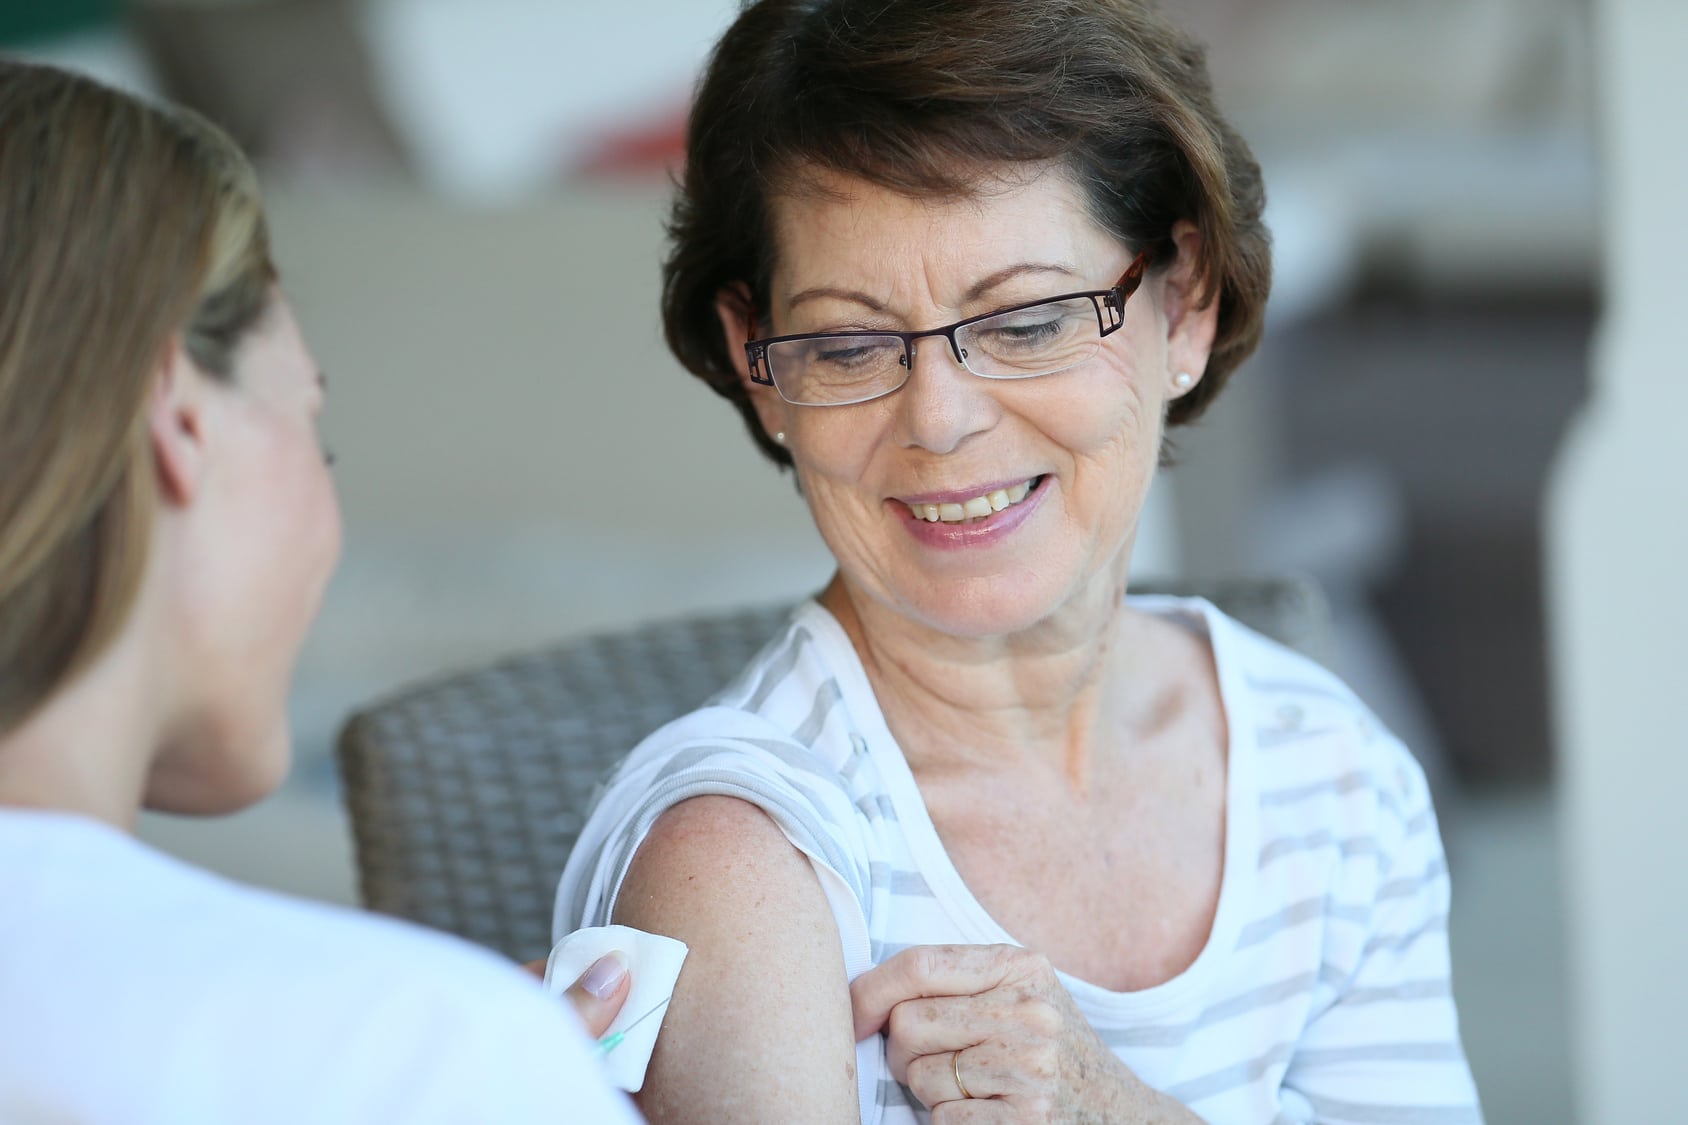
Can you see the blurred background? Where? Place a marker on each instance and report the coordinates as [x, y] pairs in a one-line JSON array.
[[467, 198]]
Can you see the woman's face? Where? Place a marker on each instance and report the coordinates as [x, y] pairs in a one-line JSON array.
[[1087, 439], [264, 540]]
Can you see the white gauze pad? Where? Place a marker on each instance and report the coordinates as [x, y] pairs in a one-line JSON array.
[[653, 961]]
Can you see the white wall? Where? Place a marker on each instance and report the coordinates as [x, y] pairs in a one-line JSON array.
[[1618, 515]]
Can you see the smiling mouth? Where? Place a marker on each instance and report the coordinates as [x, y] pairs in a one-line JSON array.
[[978, 507]]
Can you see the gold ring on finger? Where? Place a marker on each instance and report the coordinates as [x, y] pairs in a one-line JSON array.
[[955, 1065]]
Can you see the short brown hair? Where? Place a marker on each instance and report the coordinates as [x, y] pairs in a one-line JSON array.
[[921, 96], [123, 226]]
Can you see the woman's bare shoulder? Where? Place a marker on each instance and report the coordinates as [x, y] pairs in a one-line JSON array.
[[760, 1025]]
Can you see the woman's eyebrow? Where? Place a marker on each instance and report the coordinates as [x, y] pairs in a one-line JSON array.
[[817, 292], [978, 289], [991, 281]]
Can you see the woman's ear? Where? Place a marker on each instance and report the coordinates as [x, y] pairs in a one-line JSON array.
[[1192, 314], [733, 304], [736, 308], [176, 421]]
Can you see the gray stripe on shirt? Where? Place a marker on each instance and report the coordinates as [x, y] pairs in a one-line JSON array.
[[1341, 786], [1405, 991], [1229, 1078], [857, 758], [1363, 1113], [826, 696], [777, 669], [1313, 841], [1409, 885], [1174, 1035], [899, 881], [1299, 687], [877, 807], [1276, 737], [1295, 914], [1380, 1052], [798, 763], [1396, 943]]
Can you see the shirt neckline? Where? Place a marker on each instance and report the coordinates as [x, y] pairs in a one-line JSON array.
[[952, 893]]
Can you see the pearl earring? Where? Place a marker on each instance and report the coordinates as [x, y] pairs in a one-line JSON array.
[[1182, 380], [779, 438]]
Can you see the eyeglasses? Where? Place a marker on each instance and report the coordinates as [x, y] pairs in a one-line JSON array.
[[1022, 342]]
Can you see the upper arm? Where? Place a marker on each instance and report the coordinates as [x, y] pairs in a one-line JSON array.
[[1390, 1039], [760, 1027]]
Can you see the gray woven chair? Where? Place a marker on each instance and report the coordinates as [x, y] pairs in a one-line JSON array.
[[467, 793]]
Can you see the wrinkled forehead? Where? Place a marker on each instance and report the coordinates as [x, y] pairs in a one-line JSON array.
[[832, 229]]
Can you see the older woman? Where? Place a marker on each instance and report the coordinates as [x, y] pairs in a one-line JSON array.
[[167, 526], [1084, 856]]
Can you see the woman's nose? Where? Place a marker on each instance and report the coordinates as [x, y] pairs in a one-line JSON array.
[[943, 403]]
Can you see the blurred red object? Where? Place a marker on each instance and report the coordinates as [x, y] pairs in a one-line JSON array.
[[653, 148]]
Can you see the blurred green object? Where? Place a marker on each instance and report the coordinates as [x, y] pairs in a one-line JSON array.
[[30, 21]]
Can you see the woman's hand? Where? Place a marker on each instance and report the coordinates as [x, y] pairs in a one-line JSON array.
[[988, 1033], [599, 993]]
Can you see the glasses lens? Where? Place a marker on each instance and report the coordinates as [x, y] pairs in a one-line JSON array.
[[1038, 340], [831, 370]]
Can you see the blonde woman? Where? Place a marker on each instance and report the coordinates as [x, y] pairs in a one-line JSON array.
[[167, 526]]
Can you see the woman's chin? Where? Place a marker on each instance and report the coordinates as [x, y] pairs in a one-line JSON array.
[[1012, 602], [980, 609]]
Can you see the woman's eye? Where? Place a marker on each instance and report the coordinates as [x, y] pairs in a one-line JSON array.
[[1023, 335], [1035, 330], [850, 355]]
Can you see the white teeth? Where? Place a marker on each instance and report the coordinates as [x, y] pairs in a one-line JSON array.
[[976, 508]]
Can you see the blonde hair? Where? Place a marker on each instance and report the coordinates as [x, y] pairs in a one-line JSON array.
[[124, 227]]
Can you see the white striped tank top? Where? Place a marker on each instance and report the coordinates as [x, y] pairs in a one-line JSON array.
[[1322, 993]]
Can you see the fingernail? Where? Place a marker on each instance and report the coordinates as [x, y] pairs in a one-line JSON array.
[[605, 975]]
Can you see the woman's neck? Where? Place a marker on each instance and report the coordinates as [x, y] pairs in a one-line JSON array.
[[89, 748], [1045, 695]]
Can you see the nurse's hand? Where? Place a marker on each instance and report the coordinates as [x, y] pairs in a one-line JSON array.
[[599, 993]]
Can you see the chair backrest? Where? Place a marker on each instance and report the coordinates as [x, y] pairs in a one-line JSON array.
[[467, 793]]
